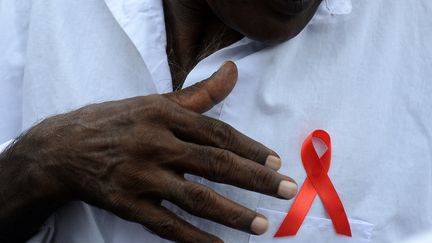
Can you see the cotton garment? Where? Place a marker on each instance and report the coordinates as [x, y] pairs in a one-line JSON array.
[[365, 77], [421, 238]]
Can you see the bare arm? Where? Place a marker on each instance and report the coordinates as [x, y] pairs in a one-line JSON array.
[[26, 196]]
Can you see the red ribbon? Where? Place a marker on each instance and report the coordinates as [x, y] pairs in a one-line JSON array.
[[317, 181]]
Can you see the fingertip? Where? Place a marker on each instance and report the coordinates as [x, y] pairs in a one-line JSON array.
[[259, 225], [228, 71], [287, 189], [228, 64], [273, 162], [221, 83]]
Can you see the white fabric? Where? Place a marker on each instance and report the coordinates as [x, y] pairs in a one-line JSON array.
[[423, 238], [4, 145], [13, 36], [314, 229], [363, 77], [355, 81], [141, 20], [82, 57], [338, 6]]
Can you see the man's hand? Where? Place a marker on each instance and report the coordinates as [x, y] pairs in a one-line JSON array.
[[127, 156]]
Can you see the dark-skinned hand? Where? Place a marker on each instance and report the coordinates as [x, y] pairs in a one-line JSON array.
[[127, 156]]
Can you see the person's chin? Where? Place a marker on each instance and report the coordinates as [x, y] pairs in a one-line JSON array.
[[280, 28], [291, 7]]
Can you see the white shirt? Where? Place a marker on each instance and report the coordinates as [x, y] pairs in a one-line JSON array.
[[422, 238], [363, 77]]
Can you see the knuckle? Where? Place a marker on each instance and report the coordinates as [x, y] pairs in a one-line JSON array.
[[222, 134], [178, 152], [166, 226], [115, 201], [121, 206], [200, 198], [179, 96], [262, 180], [222, 166]]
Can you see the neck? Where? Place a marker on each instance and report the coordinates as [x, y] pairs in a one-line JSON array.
[[193, 33]]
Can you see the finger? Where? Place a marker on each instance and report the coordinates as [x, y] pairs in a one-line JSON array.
[[161, 221], [203, 130], [203, 202], [226, 167], [202, 96]]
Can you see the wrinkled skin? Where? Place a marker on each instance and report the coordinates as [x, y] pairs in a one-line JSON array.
[[127, 156]]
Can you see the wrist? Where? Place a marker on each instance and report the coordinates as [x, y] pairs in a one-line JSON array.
[[28, 195], [22, 170]]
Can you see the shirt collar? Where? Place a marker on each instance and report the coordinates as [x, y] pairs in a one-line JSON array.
[[126, 12], [144, 23]]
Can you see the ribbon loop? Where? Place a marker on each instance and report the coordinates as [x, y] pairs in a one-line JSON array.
[[317, 182]]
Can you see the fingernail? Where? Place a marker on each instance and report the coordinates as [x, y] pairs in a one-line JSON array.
[[259, 225], [287, 189], [273, 162]]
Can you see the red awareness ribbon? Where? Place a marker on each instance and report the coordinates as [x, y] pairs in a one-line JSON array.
[[317, 181]]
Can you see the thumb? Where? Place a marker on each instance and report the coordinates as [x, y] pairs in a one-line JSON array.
[[202, 96]]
